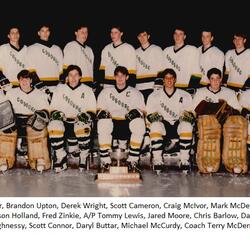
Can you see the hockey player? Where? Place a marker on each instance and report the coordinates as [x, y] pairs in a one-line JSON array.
[[164, 109], [217, 109], [46, 60], [12, 59], [73, 108], [31, 109], [209, 55], [120, 115], [215, 92], [148, 64], [184, 59], [116, 54], [78, 53], [237, 61]]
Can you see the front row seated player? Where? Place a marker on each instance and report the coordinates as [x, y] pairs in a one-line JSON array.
[[120, 116], [218, 111], [31, 112], [73, 108], [166, 109]]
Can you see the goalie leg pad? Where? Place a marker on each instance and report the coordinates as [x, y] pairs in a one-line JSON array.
[[8, 148], [234, 154], [38, 148], [208, 149]]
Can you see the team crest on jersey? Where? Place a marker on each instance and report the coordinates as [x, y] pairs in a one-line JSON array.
[[86, 56], [113, 60], [119, 102], [17, 61], [143, 64], [173, 63], [235, 66], [51, 56]]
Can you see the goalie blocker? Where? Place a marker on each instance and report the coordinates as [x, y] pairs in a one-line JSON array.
[[8, 136]]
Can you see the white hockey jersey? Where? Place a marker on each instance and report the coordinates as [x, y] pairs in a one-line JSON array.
[[169, 106], [212, 57], [27, 103], [82, 56], [184, 61], [119, 103], [12, 61], [223, 93], [148, 65], [73, 101], [113, 56], [244, 99], [237, 67], [46, 61]]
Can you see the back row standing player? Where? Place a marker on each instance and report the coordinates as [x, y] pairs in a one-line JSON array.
[[46, 60], [184, 59], [237, 61], [12, 59], [148, 64], [78, 53], [116, 53], [209, 56]]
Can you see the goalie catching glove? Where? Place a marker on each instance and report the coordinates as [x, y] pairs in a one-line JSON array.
[[154, 117], [39, 120]]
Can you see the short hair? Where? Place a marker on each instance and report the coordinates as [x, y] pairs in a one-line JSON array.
[[122, 70], [118, 27], [142, 31], [73, 67], [79, 26], [168, 71], [182, 28], [24, 74], [240, 34], [208, 29], [214, 71]]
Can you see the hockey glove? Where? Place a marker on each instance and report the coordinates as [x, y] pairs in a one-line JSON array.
[[133, 114], [103, 114], [188, 117], [57, 115], [84, 117], [154, 117]]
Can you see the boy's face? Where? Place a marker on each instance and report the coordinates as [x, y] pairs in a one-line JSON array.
[[169, 81], [44, 33], [14, 35], [73, 78], [120, 80], [215, 82], [25, 84]]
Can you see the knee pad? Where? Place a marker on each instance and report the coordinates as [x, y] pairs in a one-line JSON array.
[[185, 128], [105, 126], [81, 129], [137, 125], [157, 127], [56, 128]]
